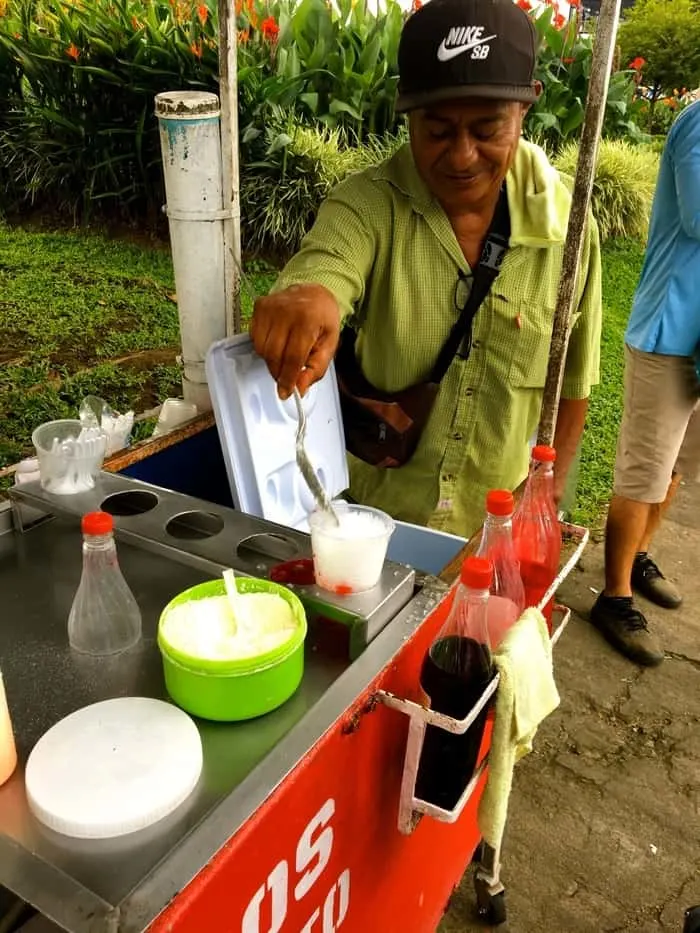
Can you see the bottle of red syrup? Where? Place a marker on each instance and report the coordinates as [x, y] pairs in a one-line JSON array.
[[536, 530], [507, 594], [456, 671]]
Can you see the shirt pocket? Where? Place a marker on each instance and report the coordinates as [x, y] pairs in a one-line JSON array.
[[530, 356]]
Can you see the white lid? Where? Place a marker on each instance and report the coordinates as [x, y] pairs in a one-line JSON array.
[[258, 431], [113, 768]]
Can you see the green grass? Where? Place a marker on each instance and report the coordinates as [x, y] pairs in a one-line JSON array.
[[83, 314], [622, 262]]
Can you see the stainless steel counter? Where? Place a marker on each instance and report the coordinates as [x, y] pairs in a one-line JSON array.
[[121, 885]]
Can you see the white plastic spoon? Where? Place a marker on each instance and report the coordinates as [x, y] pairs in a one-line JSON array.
[[235, 602]]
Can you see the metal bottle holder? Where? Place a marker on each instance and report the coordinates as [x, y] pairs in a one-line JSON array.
[[490, 892], [411, 808], [489, 889]]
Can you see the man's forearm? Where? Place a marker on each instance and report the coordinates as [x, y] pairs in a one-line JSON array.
[[570, 422]]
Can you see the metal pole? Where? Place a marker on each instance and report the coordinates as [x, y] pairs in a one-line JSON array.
[[228, 95], [603, 50]]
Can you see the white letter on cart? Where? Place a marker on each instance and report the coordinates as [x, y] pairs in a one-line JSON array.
[[277, 885], [343, 887], [307, 850]]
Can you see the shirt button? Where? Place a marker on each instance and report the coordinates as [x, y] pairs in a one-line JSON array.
[[447, 478], [456, 436], [476, 344], [469, 392]]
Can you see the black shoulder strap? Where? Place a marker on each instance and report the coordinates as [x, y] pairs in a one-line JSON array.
[[486, 272]]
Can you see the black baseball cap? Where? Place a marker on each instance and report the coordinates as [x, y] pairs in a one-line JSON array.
[[452, 49]]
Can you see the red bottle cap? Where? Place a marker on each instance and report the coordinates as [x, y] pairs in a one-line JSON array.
[[544, 454], [500, 502], [97, 523], [477, 573]]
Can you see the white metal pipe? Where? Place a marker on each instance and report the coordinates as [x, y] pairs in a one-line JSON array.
[[191, 149]]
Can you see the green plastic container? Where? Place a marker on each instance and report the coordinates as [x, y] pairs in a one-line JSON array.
[[229, 691]]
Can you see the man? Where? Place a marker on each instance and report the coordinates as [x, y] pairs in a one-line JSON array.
[[659, 438], [395, 246]]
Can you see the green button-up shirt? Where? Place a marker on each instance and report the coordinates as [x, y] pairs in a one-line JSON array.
[[385, 248]]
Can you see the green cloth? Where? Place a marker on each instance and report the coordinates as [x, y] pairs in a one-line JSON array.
[[385, 248]]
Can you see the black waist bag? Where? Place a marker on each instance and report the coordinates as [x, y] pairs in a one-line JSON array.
[[383, 428]]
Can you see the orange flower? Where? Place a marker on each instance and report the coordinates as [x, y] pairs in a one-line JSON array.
[[136, 24], [269, 28], [196, 49], [574, 3], [416, 5], [525, 5], [243, 35], [568, 61], [203, 13], [559, 20], [637, 63], [73, 52]]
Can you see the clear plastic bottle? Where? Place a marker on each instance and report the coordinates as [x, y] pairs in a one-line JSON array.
[[507, 593], [456, 670], [105, 618], [536, 530]]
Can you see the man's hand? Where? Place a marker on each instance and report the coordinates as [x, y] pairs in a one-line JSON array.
[[296, 332]]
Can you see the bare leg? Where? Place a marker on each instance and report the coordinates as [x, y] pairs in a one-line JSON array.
[[624, 532], [657, 512]]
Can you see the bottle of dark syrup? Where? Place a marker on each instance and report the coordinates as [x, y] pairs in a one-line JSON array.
[[456, 671]]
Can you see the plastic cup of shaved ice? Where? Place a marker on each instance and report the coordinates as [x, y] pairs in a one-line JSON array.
[[349, 556]]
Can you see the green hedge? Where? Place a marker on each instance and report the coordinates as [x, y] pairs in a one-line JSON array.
[[623, 189]]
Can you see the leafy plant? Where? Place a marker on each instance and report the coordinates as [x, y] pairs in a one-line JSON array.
[[664, 35], [623, 189], [348, 56], [564, 68], [281, 194], [77, 131], [80, 126]]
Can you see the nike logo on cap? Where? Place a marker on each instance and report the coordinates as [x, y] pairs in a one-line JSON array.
[[445, 52]]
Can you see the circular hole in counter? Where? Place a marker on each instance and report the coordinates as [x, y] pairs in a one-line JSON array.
[[267, 546], [194, 526], [131, 502]]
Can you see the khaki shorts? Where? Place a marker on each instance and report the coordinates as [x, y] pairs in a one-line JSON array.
[[660, 432]]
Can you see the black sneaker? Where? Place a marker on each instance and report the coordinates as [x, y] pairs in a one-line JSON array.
[[625, 627], [649, 582]]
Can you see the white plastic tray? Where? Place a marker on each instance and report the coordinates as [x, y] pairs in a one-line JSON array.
[[257, 433]]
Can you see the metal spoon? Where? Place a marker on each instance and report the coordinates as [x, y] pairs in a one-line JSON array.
[[305, 466]]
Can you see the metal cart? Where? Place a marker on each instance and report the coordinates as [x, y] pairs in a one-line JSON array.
[[304, 820]]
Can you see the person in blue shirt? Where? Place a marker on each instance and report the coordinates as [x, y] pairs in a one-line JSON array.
[[659, 439]]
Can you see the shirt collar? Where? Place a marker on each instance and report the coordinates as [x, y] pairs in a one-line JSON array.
[[538, 196]]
